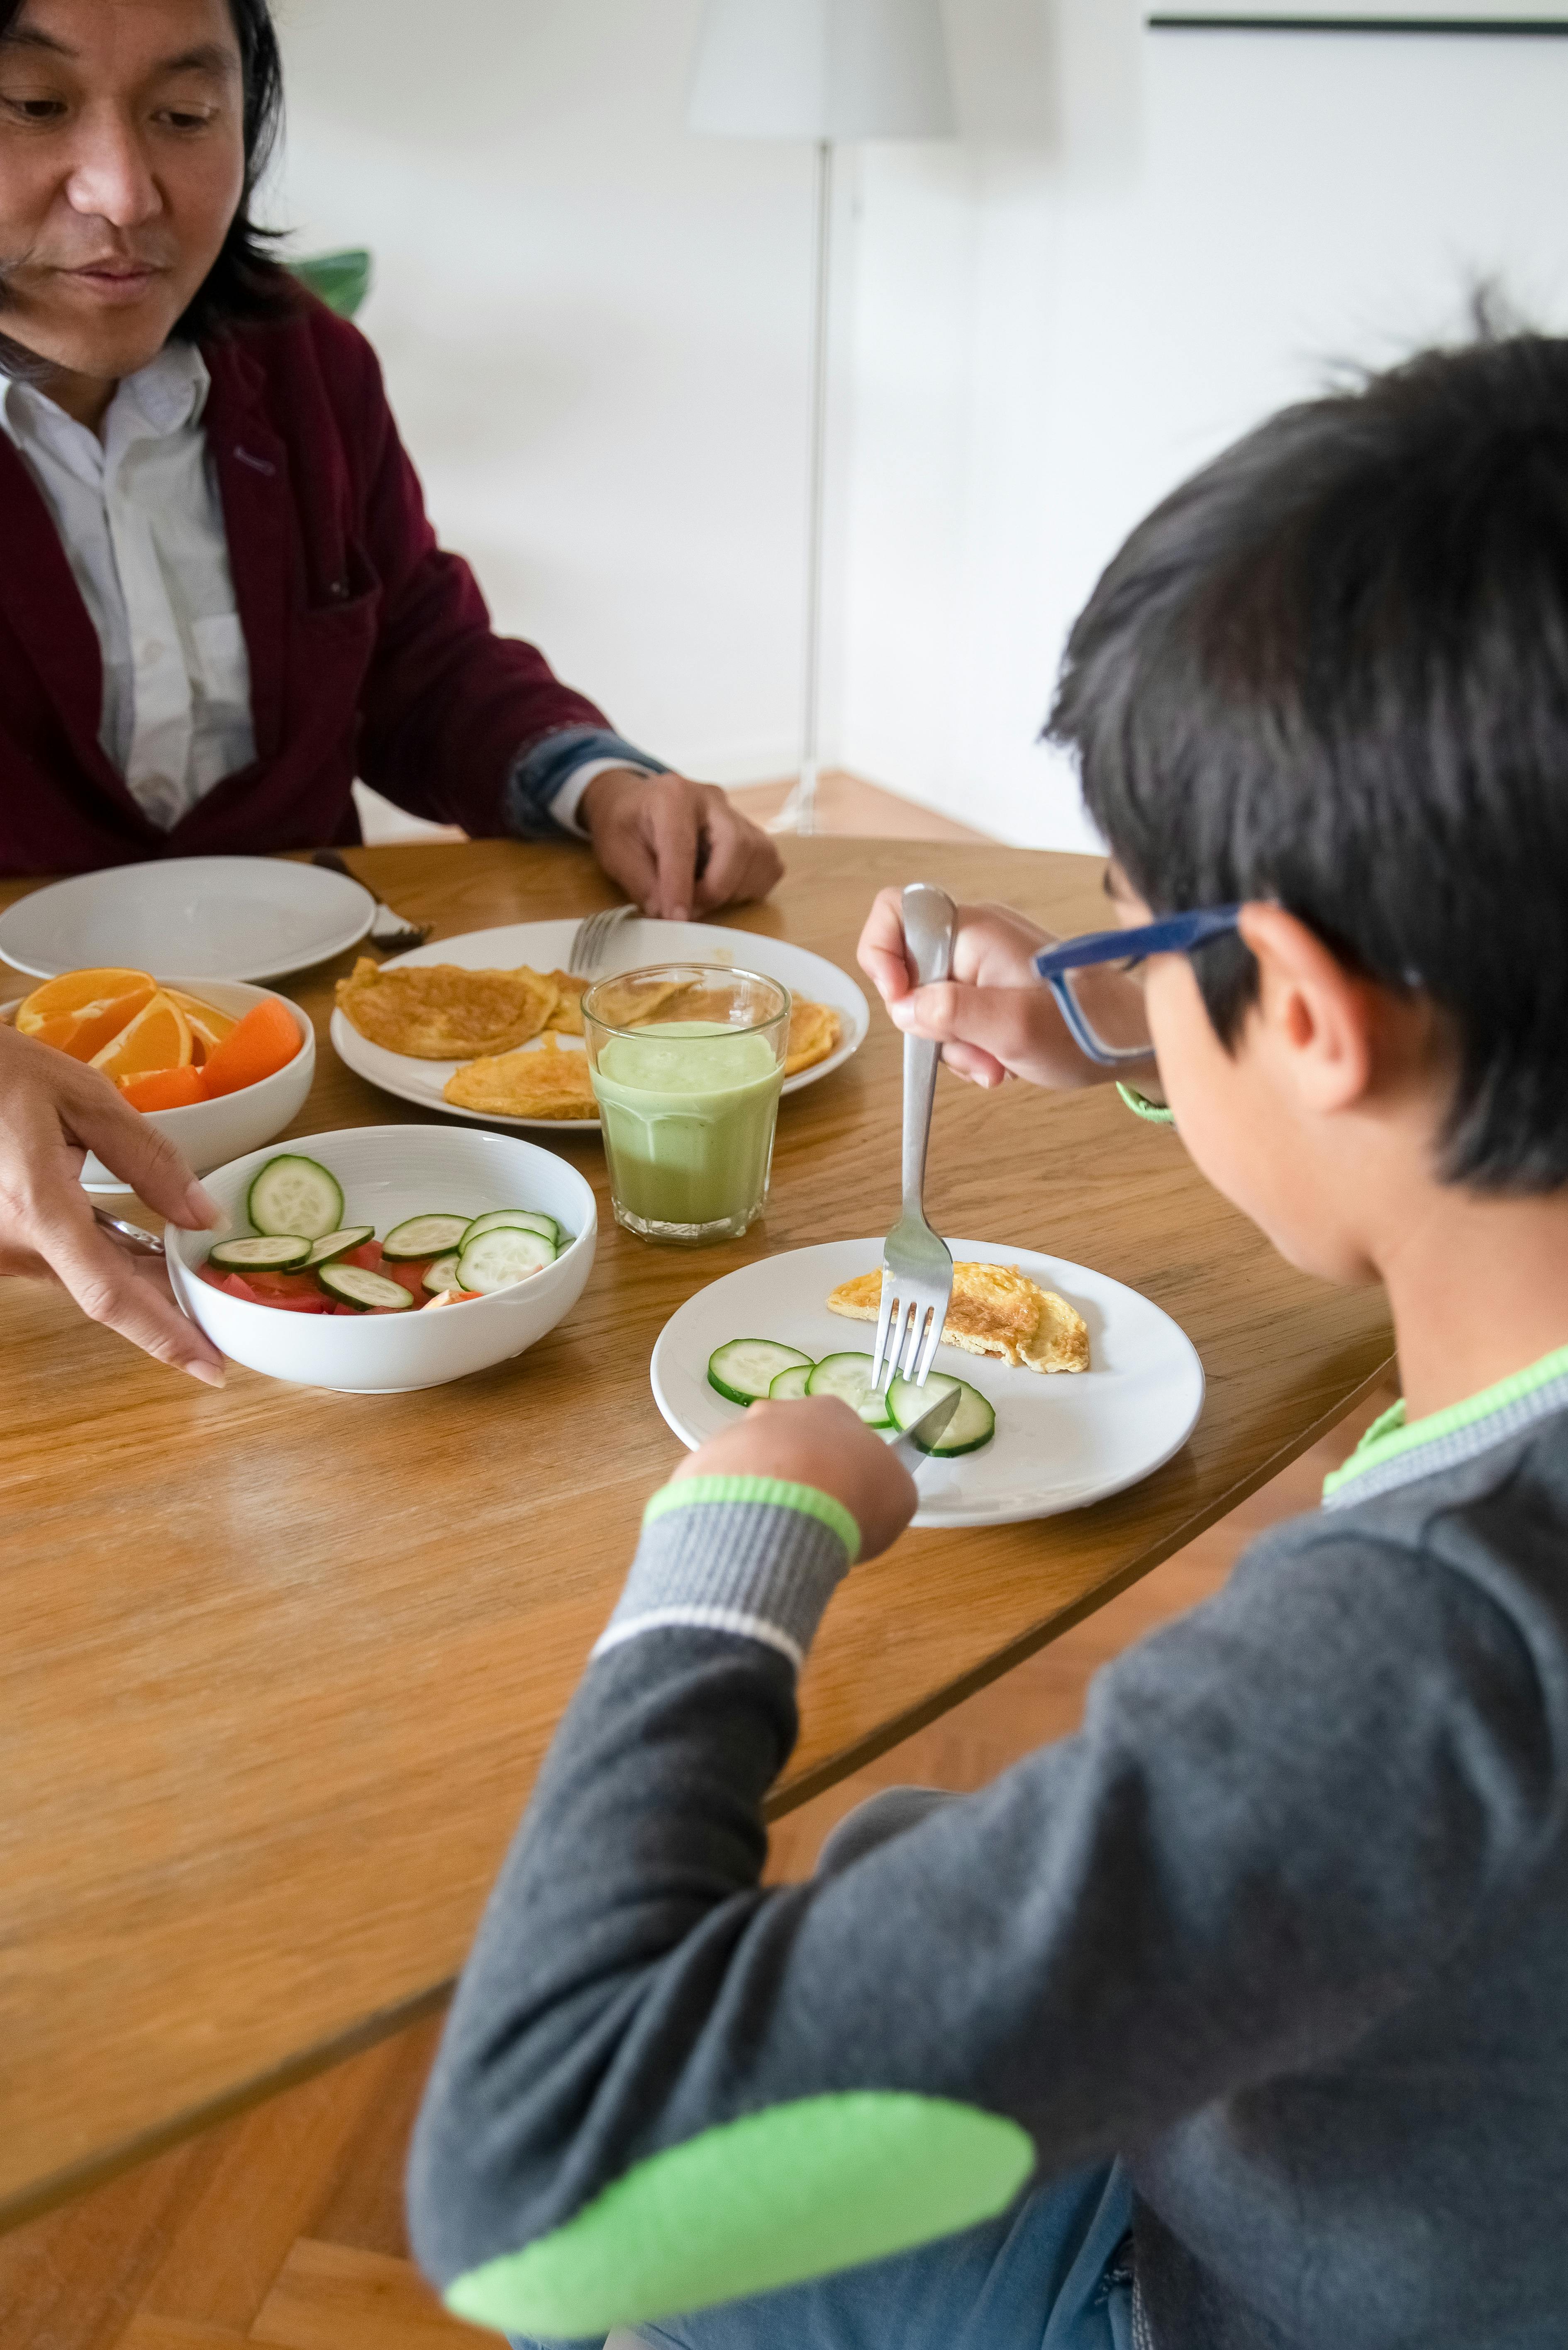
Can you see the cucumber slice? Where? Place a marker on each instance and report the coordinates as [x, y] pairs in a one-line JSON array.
[[278, 1252], [526, 1220], [745, 1368], [790, 1386], [973, 1425], [295, 1195], [849, 1377], [424, 1236], [351, 1284], [442, 1275], [352, 1236], [503, 1255]]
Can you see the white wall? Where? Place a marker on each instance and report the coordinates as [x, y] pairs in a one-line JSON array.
[[595, 329], [1195, 227]]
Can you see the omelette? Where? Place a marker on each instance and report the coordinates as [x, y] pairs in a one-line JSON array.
[[814, 1033], [548, 1082], [995, 1309], [566, 1019], [439, 1012]]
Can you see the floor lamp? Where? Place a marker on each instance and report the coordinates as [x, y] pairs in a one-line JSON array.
[[826, 70]]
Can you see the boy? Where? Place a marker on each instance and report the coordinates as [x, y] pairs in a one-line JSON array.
[[1238, 2020]]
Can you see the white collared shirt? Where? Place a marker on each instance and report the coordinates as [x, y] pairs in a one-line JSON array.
[[141, 523]]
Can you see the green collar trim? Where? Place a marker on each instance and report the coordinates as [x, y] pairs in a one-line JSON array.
[[1389, 1435], [775, 1492]]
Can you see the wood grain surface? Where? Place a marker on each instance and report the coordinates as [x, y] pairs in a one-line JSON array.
[[280, 1664]]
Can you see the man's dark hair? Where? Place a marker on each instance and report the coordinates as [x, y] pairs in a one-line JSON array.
[[1331, 670], [244, 282]]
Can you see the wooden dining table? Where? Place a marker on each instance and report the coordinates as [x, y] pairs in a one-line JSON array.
[[279, 1665]]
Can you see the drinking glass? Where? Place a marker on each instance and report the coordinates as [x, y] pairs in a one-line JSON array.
[[687, 1061]]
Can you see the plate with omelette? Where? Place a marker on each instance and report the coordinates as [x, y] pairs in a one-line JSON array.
[[1093, 1386], [489, 1025]]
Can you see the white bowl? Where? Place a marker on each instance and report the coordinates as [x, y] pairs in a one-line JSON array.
[[389, 1172], [210, 1132]]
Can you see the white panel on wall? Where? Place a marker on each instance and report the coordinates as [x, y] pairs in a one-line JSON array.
[[594, 327]]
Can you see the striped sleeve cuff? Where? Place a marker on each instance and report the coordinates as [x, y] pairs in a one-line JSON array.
[[751, 1556], [1141, 1107]]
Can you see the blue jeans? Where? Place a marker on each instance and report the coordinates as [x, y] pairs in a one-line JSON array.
[[1054, 2273]]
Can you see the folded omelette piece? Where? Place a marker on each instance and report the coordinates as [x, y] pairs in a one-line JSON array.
[[995, 1309], [440, 1011], [547, 1082]]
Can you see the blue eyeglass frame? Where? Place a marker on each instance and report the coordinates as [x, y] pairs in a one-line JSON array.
[[1172, 934]]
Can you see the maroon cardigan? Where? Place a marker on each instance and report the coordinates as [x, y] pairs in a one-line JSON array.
[[371, 651]]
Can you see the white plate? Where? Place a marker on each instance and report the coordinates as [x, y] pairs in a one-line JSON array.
[[1062, 1440], [211, 916], [545, 946]]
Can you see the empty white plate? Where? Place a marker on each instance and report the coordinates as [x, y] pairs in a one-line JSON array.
[[1063, 1439], [545, 946], [246, 918]]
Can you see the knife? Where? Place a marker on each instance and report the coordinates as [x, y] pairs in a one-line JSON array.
[[914, 1447]]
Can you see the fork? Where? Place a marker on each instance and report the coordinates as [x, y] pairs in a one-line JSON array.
[[590, 939], [916, 1266], [388, 931]]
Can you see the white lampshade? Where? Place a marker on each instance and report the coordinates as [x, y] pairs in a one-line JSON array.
[[822, 69]]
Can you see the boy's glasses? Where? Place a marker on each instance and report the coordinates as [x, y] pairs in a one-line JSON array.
[[1060, 968]]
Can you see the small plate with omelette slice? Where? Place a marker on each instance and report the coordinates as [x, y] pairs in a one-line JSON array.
[[489, 1025], [1093, 1386]]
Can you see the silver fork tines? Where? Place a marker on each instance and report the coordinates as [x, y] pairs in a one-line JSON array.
[[917, 1264], [591, 939]]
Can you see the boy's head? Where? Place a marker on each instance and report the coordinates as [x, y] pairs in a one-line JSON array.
[[1332, 671]]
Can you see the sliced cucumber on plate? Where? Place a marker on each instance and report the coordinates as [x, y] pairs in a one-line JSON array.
[[424, 1236], [745, 1369], [790, 1386], [295, 1195], [352, 1236], [972, 1425], [526, 1220], [849, 1377], [351, 1284], [442, 1275], [505, 1253], [279, 1253]]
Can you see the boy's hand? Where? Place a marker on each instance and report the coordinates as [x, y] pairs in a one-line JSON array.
[[817, 1442], [994, 1019]]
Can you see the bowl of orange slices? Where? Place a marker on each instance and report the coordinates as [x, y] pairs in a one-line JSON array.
[[218, 1066]]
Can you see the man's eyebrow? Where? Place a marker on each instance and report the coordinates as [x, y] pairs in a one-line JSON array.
[[32, 36], [212, 58]]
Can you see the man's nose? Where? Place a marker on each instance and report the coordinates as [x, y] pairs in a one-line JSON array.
[[110, 174]]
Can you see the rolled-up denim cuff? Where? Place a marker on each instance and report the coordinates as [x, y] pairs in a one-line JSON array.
[[540, 773]]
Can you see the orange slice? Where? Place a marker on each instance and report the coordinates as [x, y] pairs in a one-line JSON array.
[[164, 1089], [158, 1038], [208, 1024], [83, 1010]]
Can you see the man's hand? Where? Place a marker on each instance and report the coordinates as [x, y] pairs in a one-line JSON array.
[[994, 1019], [678, 850], [817, 1442], [53, 1111]]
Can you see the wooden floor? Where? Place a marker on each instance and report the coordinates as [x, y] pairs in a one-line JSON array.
[[847, 804], [285, 2226]]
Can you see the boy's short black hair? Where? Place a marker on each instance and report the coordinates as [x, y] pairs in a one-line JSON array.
[[1332, 670], [244, 282]]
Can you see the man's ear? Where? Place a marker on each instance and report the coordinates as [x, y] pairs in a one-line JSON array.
[[1313, 1017]]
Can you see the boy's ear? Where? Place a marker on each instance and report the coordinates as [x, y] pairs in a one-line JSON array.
[[1314, 1016]]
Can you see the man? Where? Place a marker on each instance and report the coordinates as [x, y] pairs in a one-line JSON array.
[[221, 599]]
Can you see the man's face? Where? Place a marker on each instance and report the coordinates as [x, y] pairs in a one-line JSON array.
[[121, 166]]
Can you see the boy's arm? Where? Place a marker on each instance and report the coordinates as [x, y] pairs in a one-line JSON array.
[[663, 2086]]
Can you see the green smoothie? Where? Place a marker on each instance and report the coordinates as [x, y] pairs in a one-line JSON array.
[[689, 1109]]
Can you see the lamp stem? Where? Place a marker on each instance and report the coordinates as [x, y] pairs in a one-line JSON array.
[[799, 811]]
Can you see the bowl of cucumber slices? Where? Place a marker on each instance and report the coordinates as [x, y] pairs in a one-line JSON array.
[[386, 1258]]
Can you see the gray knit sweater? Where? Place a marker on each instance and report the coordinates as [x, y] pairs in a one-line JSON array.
[[1285, 1925]]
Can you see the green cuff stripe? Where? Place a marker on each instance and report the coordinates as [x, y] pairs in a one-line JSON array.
[[775, 1492], [1390, 1435], [1155, 1113]]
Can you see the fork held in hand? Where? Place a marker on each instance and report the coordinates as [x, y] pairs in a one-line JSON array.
[[916, 1266]]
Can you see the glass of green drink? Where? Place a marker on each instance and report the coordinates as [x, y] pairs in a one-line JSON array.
[[687, 1062]]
